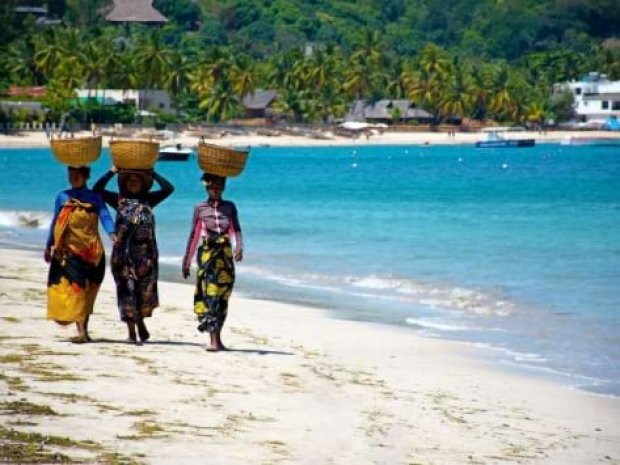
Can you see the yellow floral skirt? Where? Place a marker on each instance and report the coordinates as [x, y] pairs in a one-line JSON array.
[[214, 283]]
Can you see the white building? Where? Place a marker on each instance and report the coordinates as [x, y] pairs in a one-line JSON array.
[[596, 97], [142, 99]]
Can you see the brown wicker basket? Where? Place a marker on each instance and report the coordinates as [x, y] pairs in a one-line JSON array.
[[76, 152], [221, 161], [134, 154]]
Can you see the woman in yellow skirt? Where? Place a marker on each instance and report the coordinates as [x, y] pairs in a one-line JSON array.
[[75, 253]]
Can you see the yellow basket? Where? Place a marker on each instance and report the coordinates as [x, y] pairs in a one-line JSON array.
[[76, 152], [130, 154], [221, 161]]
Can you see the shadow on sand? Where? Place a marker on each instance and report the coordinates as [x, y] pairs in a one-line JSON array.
[[192, 344]]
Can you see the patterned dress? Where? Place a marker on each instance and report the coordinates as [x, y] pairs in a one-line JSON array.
[[135, 256], [135, 260], [213, 225], [77, 266]]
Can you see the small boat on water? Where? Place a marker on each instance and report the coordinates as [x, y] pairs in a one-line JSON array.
[[495, 139], [599, 141], [174, 153]]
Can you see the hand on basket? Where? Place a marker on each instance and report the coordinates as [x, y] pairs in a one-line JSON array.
[[114, 169]]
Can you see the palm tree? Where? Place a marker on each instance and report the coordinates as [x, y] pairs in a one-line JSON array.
[[357, 81], [123, 72], [243, 76], [221, 102], [368, 47], [177, 80], [434, 61], [329, 103], [49, 49], [456, 99], [20, 60], [480, 85], [501, 102], [153, 59], [426, 86], [281, 65], [293, 104]]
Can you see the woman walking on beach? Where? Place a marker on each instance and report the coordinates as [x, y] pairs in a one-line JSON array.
[[75, 253], [135, 255], [214, 224]]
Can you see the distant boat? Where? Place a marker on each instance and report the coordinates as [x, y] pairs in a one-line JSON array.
[[600, 141], [174, 153], [495, 139]]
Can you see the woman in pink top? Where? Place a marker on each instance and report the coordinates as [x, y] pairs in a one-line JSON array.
[[214, 226]]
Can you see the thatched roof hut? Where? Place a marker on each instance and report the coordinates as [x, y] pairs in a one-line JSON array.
[[135, 11]]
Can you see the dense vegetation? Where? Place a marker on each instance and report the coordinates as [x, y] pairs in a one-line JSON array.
[[481, 59]]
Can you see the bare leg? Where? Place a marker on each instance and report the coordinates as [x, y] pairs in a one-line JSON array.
[[218, 337], [213, 347], [143, 332], [131, 330], [80, 338], [86, 335]]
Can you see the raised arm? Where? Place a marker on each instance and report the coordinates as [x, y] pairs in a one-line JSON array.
[[166, 188], [111, 198]]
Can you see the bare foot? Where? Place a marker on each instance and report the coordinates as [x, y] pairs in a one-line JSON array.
[[78, 340], [143, 333]]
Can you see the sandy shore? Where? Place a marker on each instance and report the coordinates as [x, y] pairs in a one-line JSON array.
[[39, 139], [296, 388]]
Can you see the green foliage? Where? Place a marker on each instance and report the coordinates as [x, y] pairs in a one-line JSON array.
[[562, 105], [455, 58], [104, 114], [184, 13]]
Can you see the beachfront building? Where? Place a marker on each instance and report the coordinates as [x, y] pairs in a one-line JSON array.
[[597, 99], [387, 111], [142, 99], [259, 104], [23, 103]]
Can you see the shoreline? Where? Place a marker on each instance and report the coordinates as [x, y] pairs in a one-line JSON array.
[[38, 139], [498, 357], [296, 385]]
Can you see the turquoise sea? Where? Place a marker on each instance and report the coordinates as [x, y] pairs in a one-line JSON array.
[[517, 250]]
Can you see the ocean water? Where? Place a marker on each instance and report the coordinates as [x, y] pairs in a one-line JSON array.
[[517, 250]]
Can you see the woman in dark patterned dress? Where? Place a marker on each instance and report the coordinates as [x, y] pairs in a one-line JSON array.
[[135, 255], [214, 224]]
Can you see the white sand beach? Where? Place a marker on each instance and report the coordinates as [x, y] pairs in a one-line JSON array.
[[255, 139], [296, 388]]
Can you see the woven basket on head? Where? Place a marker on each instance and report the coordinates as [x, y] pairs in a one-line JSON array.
[[221, 161], [133, 154], [76, 152]]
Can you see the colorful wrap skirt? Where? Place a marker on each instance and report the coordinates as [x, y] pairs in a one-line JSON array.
[[214, 282], [78, 264], [135, 261]]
